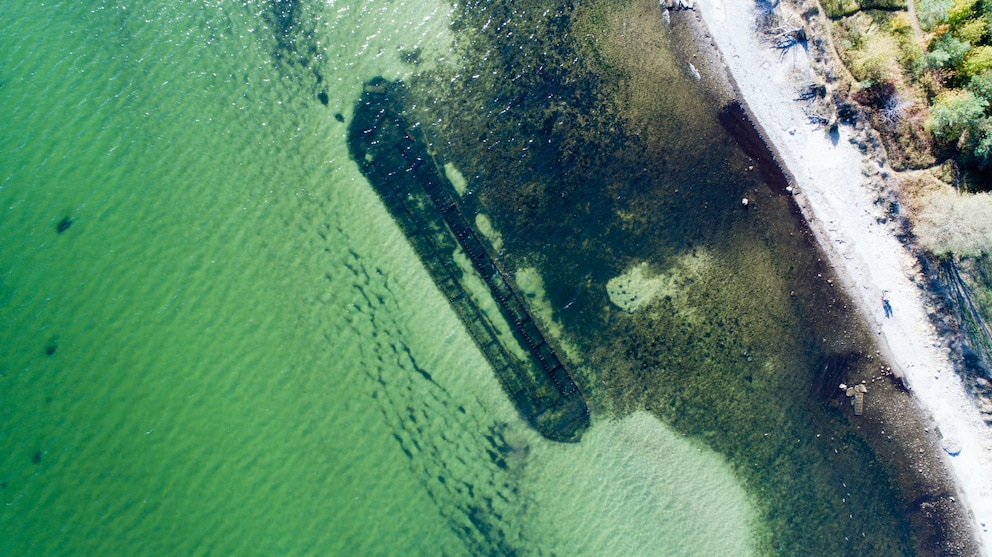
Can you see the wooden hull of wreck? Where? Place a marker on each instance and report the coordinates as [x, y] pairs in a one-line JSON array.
[[424, 204]]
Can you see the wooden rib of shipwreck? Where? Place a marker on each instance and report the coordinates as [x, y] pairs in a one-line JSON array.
[[424, 204]]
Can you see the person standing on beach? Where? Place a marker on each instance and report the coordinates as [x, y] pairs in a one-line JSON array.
[[885, 304]]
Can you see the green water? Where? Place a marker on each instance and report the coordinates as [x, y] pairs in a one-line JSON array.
[[232, 350]]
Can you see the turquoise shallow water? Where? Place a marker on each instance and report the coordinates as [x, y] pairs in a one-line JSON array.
[[232, 350]]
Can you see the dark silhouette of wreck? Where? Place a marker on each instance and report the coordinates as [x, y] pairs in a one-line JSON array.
[[408, 178]]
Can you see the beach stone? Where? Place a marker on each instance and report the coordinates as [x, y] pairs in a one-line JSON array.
[[951, 446]]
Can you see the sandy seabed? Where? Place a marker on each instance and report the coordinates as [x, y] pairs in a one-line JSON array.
[[835, 190]]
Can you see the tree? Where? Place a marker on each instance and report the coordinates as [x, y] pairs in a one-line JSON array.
[[974, 30], [981, 143], [955, 111], [962, 11], [947, 51], [981, 85], [933, 12], [977, 61]]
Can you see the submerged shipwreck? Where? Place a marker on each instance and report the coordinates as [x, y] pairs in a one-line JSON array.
[[425, 204]]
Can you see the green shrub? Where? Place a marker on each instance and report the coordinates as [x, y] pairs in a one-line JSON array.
[[954, 111], [930, 13], [980, 144], [840, 8], [947, 51], [986, 10], [901, 27], [973, 31], [877, 58], [977, 61], [981, 85], [887, 5], [962, 11]]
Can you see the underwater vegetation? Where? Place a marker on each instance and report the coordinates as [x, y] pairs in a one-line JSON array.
[[64, 224], [594, 153]]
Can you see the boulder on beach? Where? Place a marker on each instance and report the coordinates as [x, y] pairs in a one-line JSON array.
[[951, 446]]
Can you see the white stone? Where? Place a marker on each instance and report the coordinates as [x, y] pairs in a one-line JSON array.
[[951, 446]]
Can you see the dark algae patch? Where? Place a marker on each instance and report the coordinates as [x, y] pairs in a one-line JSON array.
[[64, 224], [607, 168], [295, 49], [414, 188], [478, 493], [51, 346]]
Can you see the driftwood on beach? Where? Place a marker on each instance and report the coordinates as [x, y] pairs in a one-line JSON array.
[[678, 4]]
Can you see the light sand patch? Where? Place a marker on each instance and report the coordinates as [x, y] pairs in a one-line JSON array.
[[456, 178], [477, 289], [635, 487], [641, 284], [531, 285], [485, 226]]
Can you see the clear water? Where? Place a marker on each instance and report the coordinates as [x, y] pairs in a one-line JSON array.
[[232, 350]]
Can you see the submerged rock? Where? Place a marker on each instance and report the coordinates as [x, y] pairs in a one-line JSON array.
[[64, 224]]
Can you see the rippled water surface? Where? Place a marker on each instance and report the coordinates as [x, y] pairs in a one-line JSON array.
[[216, 341], [214, 338]]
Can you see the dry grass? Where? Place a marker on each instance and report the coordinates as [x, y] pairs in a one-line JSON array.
[[945, 221], [877, 58]]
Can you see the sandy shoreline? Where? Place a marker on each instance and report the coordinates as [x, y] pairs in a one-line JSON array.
[[837, 192]]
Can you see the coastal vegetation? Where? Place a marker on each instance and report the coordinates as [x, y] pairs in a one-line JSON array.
[[921, 73]]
